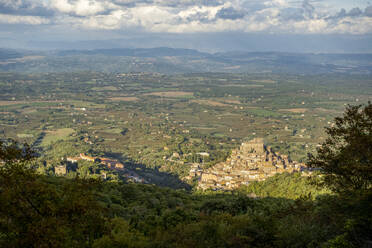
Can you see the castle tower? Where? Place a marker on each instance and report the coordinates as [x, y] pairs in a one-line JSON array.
[[253, 146]]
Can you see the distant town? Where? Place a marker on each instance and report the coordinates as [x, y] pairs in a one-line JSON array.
[[253, 161]]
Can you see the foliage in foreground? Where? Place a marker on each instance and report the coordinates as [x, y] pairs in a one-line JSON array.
[[44, 212], [345, 158], [285, 185], [56, 212]]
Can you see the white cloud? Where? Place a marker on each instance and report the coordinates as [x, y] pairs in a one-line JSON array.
[[351, 25], [31, 20], [192, 16], [194, 12], [112, 21], [277, 3], [82, 7]]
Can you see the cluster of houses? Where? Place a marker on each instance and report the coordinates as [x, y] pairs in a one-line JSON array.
[[110, 163], [253, 161]]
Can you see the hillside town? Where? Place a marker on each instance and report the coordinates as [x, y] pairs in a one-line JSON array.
[[109, 163], [252, 161]]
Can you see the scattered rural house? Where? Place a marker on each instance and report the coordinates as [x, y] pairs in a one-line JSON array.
[[85, 157], [175, 155], [60, 170], [195, 171], [73, 159], [204, 154], [104, 175], [110, 163]]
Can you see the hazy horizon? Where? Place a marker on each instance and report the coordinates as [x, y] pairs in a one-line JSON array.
[[308, 26]]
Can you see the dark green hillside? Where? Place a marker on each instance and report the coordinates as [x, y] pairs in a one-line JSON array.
[[285, 185], [56, 212]]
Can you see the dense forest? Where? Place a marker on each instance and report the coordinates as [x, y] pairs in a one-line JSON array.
[[284, 211]]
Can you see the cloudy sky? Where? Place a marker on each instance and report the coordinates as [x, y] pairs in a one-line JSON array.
[[282, 25]]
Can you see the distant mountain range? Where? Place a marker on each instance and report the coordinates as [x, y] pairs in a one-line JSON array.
[[135, 52], [177, 60]]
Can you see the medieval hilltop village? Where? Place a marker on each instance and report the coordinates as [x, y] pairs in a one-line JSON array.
[[252, 161]]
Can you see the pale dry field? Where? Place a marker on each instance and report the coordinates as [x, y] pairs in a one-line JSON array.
[[6, 103], [268, 81], [170, 94], [210, 103], [294, 110], [124, 99], [245, 85], [232, 101]]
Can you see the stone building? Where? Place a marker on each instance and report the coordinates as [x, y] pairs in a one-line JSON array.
[[87, 158], [195, 171], [60, 170]]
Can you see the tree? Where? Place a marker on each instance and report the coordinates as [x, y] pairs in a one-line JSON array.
[[13, 151], [345, 158], [39, 211], [121, 235]]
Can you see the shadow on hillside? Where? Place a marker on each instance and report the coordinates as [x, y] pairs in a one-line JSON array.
[[151, 175]]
